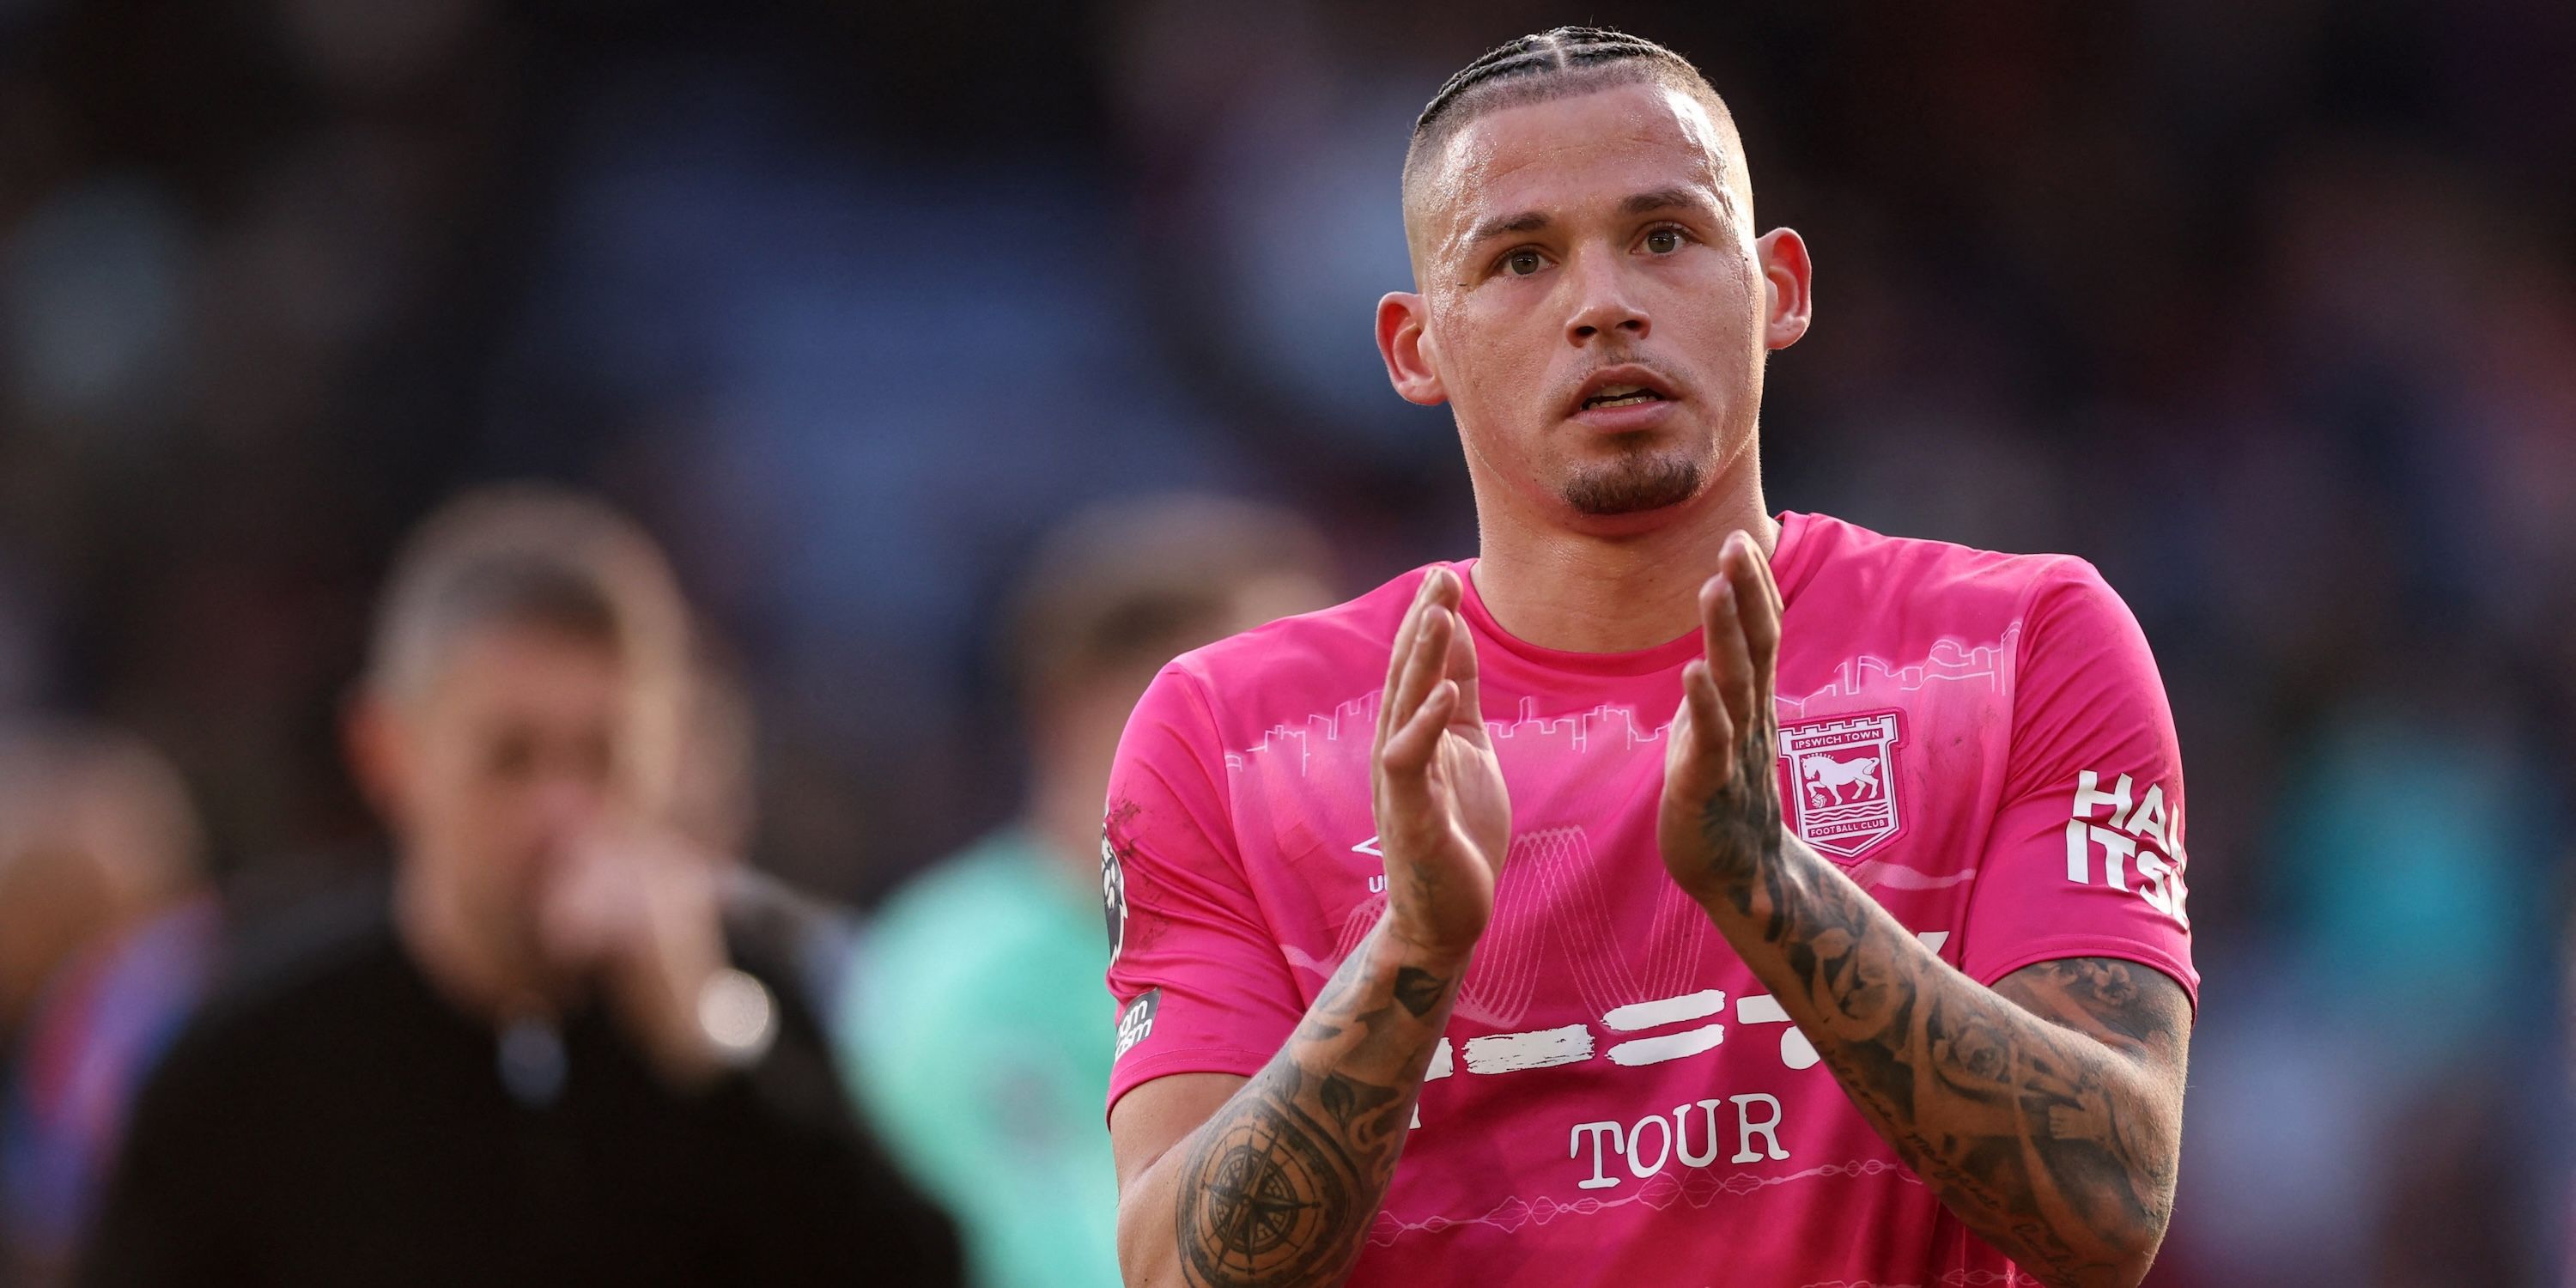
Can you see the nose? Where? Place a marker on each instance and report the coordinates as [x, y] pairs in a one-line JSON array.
[[1603, 304]]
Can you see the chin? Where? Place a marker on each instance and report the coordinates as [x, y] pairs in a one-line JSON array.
[[1635, 485]]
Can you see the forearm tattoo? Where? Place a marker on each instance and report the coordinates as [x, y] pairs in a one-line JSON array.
[[2038, 1111], [1280, 1186]]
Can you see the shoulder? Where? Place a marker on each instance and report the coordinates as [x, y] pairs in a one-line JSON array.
[[958, 954], [309, 955], [1916, 571], [299, 976]]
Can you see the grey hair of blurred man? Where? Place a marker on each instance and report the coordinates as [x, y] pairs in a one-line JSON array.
[[535, 556]]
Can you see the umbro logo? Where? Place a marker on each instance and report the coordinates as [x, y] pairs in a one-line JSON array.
[[1377, 883]]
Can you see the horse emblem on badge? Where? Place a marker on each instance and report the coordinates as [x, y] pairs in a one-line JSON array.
[[1840, 781]]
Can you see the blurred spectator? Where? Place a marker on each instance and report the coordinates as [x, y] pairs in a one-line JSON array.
[[532, 1063], [976, 1028], [106, 938]]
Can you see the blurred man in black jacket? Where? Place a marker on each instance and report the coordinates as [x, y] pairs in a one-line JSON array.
[[545, 1059]]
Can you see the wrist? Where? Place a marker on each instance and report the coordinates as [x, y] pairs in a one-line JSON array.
[[725, 1021], [1395, 943], [1741, 885]]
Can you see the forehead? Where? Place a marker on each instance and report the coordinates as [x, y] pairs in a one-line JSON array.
[[1562, 153], [520, 667]]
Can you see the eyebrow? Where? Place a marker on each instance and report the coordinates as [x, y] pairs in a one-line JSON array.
[[1644, 203], [1528, 221], [1647, 203]]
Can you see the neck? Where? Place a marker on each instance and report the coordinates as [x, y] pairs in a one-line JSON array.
[[1612, 592], [458, 964]]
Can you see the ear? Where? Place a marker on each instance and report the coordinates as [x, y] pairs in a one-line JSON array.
[[1403, 343], [1790, 282], [371, 739]]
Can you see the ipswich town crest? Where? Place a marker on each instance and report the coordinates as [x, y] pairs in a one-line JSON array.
[[1840, 781]]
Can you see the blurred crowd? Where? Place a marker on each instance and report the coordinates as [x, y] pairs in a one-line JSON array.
[[2267, 307]]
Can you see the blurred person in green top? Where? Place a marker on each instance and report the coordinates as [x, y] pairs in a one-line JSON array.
[[975, 1030]]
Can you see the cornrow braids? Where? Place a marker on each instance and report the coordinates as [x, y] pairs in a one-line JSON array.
[[1555, 64], [1561, 50]]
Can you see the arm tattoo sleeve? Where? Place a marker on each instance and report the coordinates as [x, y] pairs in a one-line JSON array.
[[2045, 1112], [1279, 1187]]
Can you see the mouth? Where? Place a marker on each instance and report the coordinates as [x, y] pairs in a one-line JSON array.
[[1619, 388], [1622, 396]]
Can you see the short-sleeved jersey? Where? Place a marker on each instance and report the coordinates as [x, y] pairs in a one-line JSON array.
[[1980, 740]]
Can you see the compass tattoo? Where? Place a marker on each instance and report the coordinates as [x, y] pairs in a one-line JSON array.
[[1280, 1186]]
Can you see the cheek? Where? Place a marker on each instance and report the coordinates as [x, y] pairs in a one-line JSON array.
[[1712, 290], [1495, 359], [1738, 299], [484, 820]]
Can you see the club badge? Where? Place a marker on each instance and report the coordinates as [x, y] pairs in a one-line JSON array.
[[1839, 781]]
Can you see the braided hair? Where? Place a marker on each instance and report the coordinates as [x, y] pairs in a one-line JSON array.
[[1562, 50], [1551, 64]]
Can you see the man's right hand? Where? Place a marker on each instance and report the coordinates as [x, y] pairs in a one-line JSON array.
[[1444, 818], [1278, 1179]]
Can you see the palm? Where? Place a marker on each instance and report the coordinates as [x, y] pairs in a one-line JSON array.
[[1444, 815], [1467, 791]]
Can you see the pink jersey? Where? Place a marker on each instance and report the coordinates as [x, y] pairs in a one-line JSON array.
[[1980, 740]]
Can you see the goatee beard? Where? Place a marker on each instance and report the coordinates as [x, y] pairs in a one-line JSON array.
[[1634, 484]]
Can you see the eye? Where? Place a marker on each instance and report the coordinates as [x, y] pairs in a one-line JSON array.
[[1522, 263], [1664, 241]]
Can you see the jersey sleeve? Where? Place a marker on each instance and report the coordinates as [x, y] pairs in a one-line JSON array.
[[2086, 856], [1198, 976]]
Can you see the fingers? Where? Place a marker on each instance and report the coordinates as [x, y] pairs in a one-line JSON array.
[[1758, 605], [1407, 753], [1463, 669], [1728, 654], [1426, 668], [1421, 653], [581, 904], [1741, 548], [1712, 733], [1398, 655]]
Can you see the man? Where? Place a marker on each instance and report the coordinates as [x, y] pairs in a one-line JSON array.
[[1841, 936], [536, 1066], [974, 1030]]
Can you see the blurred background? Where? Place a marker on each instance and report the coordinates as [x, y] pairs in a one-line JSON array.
[[2267, 307]]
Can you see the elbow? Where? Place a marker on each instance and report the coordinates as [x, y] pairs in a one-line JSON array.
[[2099, 1251], [2123, 1256], [2137, 1251], [2145, 1205], [2128, 1271]]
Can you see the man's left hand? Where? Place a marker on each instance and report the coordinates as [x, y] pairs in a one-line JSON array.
[[1720, 817]]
